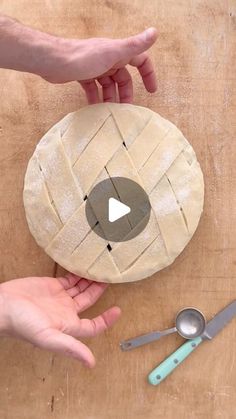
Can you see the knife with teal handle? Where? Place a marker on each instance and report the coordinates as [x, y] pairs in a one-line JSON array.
[[170, 363], [213, 327]]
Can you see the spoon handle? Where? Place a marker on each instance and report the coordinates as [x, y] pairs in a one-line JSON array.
[[127, 345]]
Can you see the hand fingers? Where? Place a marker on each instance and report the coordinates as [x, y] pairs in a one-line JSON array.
[[56, 341], [91, 328], [125, 49], [91, 90], [108, 89], [79, 287], [89, 296], [69, 280], [125, 85], [146, 70]]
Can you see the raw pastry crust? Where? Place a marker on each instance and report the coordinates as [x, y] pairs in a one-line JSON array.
[[102, 141]]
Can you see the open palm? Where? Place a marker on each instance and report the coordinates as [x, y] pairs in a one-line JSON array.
[[44, 311]]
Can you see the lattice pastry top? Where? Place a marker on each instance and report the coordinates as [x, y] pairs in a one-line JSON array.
[[108, 140]]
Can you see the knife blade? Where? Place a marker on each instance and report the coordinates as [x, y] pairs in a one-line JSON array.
[[213, 327], [219, 321]]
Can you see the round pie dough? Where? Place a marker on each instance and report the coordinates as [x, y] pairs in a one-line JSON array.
[[107, 140]]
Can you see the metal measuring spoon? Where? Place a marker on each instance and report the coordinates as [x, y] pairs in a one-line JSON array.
[[189, 323]]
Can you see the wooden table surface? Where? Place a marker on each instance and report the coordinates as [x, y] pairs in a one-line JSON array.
[[195, 59]]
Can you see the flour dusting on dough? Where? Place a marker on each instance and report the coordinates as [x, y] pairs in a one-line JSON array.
[[166, 160], [166, 205], [183, 194], [54, 169], [80, 146]]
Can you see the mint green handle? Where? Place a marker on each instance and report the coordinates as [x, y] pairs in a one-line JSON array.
[[166, 367]]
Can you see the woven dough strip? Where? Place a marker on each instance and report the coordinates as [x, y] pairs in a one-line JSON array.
[[96, 143]]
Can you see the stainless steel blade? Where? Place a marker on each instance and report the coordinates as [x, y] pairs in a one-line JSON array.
[[220, 320]]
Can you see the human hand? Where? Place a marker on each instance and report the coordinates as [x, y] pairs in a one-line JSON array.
[[44, 311], [104, 61], [61, 60]]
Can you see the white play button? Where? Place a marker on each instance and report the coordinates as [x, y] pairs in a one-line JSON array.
[[116, 210]]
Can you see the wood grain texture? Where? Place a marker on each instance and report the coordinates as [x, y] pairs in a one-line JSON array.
[[195, 61]]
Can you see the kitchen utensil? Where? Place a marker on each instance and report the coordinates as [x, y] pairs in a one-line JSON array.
[[189, 323], [213, 327]]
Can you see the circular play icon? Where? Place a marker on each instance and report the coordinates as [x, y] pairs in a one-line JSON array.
[[117, 209]]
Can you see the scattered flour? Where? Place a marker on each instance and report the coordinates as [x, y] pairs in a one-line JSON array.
[[183, 194], [166, 205]]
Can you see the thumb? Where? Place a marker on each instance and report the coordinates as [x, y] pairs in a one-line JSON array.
[[57, 341], [135, 45]]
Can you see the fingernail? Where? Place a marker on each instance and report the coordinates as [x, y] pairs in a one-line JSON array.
[[149, 33]]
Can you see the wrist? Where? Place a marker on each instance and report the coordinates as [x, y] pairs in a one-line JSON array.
[[4, 317], [26, 49]]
